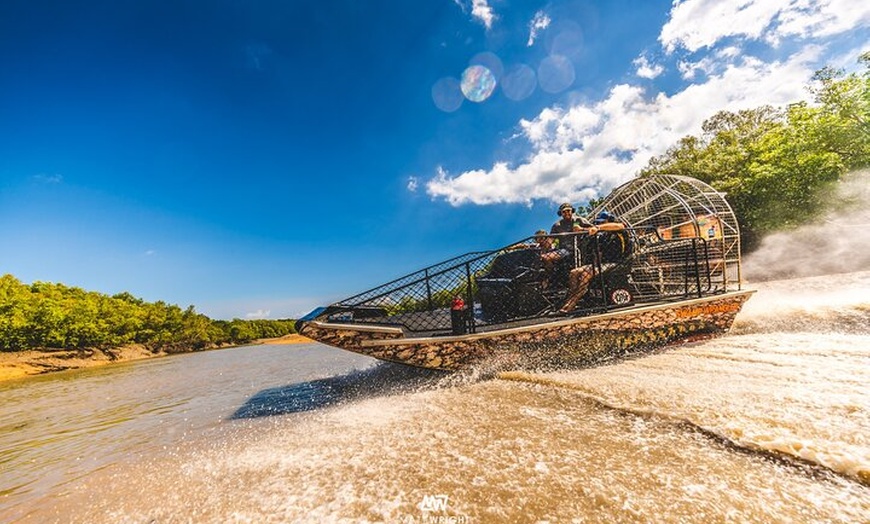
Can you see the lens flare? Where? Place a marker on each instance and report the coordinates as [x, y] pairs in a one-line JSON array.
[[491, 61], [519, 82], [567, 40], [478, 83], [555, 74], [447, 94]]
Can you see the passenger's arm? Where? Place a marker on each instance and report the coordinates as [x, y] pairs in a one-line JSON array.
[[611, 226]]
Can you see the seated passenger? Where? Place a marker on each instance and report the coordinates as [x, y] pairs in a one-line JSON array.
[[543, 243], [567, 219], [611, 248], [568, 223], [547, 245], [549, 255]]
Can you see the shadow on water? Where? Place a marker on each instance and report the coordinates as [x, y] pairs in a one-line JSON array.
[[382, 379]]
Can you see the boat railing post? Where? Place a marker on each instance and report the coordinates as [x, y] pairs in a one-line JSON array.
[[469, 313], [709, 278], [686, 290], [428, 289], [697, 266], [596, 270], [576, 258]]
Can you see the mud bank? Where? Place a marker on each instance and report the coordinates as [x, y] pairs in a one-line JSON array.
[[19, 364]]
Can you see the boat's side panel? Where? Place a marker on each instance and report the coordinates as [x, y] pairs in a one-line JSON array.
[[348, 336], [556, 343]]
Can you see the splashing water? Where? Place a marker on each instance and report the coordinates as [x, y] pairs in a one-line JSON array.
[[838, 243]]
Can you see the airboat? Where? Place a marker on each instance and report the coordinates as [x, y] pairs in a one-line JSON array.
[[678, 279]]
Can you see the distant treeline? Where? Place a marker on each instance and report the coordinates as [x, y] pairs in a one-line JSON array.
[[779, 166], [47, 315]]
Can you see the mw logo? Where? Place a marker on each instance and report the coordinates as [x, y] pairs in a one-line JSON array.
[[434, 503]]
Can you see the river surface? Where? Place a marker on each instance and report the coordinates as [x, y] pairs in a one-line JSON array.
[[770, 423]]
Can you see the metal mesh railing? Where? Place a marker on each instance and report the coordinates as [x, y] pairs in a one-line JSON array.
[[681, 240], [488, 290], [420, 301], [678, 207]]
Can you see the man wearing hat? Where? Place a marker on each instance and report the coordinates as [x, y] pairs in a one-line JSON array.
[[568, 223], [567, 220]]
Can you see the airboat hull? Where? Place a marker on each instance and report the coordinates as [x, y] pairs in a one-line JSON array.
[[556, 343], [673, 275]]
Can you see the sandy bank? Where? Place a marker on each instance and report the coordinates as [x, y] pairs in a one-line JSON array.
[[20, 364], [286, 339]]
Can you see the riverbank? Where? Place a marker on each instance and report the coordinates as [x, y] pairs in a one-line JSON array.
[[21, 364]]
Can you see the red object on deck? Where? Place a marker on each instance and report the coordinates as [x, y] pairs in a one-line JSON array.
[[458, 304]]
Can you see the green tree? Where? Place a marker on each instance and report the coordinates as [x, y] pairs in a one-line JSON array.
[[778, 166], [47, 315], [14, 309]]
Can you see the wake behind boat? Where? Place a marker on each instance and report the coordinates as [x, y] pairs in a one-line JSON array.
[[672, 273]]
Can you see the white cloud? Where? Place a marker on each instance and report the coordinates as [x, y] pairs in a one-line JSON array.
[[480, 9], [709, 65], [260, 313], [587, 150], [413, 183], [540, 22], [689, 70], [728, 52], [556, 129], [647, 70], [823, 18], [544, 175], [48, 179], [698, 24]]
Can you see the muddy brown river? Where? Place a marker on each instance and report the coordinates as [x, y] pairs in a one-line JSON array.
[[767, 424]]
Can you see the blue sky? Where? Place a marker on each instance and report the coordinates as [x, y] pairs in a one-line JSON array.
[[257, 159]]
